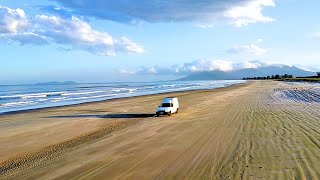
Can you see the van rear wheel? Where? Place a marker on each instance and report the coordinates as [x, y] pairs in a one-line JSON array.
[[177, 110]]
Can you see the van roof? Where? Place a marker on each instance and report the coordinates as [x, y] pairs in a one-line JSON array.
[[169, 99]]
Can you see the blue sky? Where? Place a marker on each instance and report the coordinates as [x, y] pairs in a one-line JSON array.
[[101, 41]]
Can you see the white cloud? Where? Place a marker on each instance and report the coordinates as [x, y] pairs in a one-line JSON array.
[[68, 31], [126, 45], [268, 63], [74, 31], [25, 38], [208, 65], [80, 35], [203, 65], [208, 12], [251, 49], [125, 71], [249, 12], [247, 65], [12, 20]]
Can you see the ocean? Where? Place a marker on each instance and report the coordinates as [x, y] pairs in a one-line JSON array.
[[27, 97]]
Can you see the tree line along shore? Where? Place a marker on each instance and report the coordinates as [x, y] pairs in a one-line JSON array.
[[287, 77]]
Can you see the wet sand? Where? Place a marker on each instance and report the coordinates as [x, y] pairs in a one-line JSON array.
[[263, 129]]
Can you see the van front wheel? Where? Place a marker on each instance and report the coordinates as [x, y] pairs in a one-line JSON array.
[[169, 113]]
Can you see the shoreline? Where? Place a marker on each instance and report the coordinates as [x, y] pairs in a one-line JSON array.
[[107, 100]]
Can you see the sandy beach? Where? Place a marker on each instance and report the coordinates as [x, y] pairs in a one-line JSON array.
[[258, 130]]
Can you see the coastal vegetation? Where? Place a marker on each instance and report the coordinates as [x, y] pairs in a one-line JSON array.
[[287, 77], [277, 76]]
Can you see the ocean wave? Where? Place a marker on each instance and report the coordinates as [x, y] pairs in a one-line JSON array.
[[30, 96], [101, 86], [54, 95], [17, 103], [87, 97], [124, 90], [81, 93], [169, 85]]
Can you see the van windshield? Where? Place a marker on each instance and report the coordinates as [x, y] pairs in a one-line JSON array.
[[166, 105]]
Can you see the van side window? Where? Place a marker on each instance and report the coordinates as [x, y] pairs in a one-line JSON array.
[[171, 105]]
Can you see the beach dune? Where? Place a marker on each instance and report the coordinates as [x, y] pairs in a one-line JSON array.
[[261, 129]]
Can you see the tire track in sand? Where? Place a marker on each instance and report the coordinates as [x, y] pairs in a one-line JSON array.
[[279, 138]]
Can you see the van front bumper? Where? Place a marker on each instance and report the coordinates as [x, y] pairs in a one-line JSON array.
[[162, 113]]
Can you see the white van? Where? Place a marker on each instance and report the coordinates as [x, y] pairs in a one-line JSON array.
[[169, 105]]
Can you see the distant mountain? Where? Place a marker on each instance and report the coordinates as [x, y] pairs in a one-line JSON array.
[[57, 83], [249, 72]]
